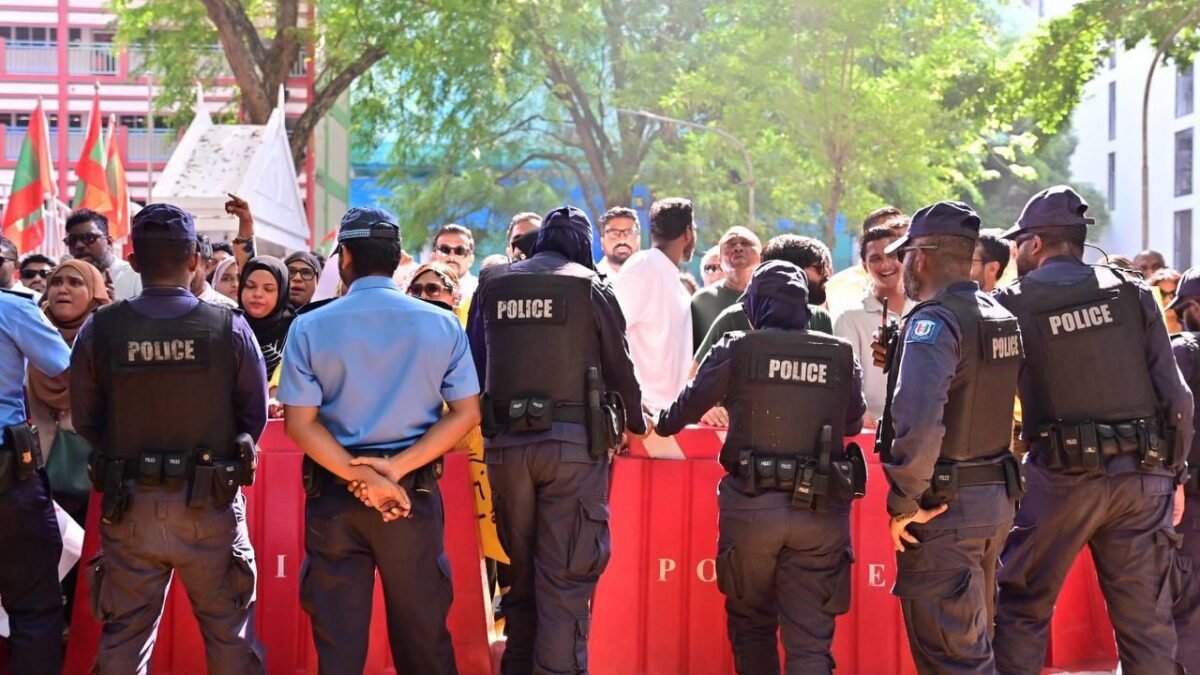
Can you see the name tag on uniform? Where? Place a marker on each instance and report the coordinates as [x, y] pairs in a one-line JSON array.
[[542, 308], [165, 352], [1077, 320], [792, 370], [1001, 340]]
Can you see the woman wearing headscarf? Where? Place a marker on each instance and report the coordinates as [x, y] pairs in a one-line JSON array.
[[225, 278], [262, 295], [73, 291]]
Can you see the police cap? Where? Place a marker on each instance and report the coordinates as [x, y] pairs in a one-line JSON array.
[[953, 218], [1188, 288], [1058, 205], [163, 222], [364, 222]]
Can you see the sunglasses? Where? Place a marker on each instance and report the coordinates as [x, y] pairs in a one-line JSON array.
[[304, 273], [620, 234], [85, 239], [711, 269], [8, 259], [900, 253], [431, 290], [458, 251], [30, 274]]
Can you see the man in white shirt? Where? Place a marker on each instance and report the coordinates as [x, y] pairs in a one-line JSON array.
[[858, 324], [656, 306], [620, 238], [88, 239]]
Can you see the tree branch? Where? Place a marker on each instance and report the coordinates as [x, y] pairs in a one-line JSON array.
[[245, 53], [325, 96]]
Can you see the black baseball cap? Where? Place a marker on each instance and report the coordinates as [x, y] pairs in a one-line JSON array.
[[1055, 206], [953, 218]]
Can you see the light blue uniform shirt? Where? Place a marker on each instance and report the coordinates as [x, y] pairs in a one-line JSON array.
[[25, 335], [378, 364]]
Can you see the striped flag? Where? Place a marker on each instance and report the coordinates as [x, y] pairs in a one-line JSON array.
[[25, 216], [91, 192], [118, 189]]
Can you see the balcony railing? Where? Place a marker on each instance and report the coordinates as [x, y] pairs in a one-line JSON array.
[[90, 58], [140, 145], [211, 60], [31, 58]]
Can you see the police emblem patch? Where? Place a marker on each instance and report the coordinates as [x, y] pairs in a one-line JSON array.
[[924, 331]]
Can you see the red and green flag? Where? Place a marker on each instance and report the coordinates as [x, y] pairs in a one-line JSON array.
[[118, 189], [91, 192], [25, 216]]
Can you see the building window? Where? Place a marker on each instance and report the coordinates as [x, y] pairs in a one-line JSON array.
[[1185, 95], [1183, 239], [1112, 181], [1112, 111], [1183, 162]]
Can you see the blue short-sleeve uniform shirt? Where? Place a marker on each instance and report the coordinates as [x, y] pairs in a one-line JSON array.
[[378, 364], [25, 337]]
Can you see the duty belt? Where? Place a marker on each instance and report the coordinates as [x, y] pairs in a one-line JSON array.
[[560, 412], [1083, 447], [949, 477], [814, 482], [316, 477]]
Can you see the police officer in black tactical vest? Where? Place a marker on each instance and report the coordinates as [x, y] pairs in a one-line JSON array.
[[549, 344], [1186, 347], [172, 393], [784, 552], [1108, 419], [945, 439]]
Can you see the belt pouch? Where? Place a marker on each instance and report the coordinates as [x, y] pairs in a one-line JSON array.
[[804, 493], [21, 440], [1055, 456], [517, 409], [539, 414], [226, 478], [1089, 447], [944, 484], [858, 465], [150, 469], [1150, 447], [174, 468], [745, 471], [488, 425], [785, 473], [202, 486], [1069, 433], [1014, 478], [764, 467]]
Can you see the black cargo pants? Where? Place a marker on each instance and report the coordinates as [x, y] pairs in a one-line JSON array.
[[551, 503], [30, 547], [1187, 604]]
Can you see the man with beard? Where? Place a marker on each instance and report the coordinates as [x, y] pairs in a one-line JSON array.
[[303, 269], [954, 481], [741, 251], [520, 226], [1108, 419], [35, 269], [1186, 347], [656, 306], [620, 238], [88, 239], [858, 324]]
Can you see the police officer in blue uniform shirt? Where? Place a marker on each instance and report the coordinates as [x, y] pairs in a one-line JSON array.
[[364, 379], [784, 552], [1108, 418], [953, 479], [172, 393], [549, 344], [1186, 347], [30, 545]]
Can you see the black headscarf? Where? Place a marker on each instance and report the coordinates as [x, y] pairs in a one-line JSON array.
[[306, 258], [777, 297], [271, 330], [566, 231]]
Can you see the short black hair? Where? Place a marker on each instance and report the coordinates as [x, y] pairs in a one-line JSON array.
[[619, 212], [993, 249], [952, 255], [454, 228], [523, 217], [887, 215], [670, 218], [204, 247], [370, 256], [8, 245], [34, 258], [875, 233], [800, 251], [222, 246], [1073, 236], [158, 259], [82, 216]]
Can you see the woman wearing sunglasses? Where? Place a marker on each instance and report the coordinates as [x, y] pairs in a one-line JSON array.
[[437, 282]]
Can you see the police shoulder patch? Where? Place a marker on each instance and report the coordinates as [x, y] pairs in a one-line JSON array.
[[923, 331]]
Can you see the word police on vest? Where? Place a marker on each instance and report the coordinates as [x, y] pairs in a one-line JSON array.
[[797, 371], [1080, 319], [161, 351], [525, 308], [1006, 346]]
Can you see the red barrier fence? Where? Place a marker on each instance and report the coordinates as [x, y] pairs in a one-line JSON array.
[[657, 608]]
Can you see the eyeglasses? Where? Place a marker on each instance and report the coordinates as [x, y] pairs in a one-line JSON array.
[[30, 274], [429, 290], [712, 269], [85, 239], [8, 259], [620, 234], [916, 247], [457, 251], [304, 273]]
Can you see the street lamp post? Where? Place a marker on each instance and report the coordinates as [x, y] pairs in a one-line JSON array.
[[749, 182]]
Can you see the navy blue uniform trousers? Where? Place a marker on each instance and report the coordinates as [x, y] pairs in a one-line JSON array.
[[30, 547]]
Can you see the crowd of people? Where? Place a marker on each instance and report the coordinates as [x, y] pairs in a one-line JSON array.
[[380, 364]]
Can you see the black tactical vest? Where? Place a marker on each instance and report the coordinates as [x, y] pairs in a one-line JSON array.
[[168, 383], [1084, 350], [1191, 342], [784, 387], [541, 337], [978, 414]]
